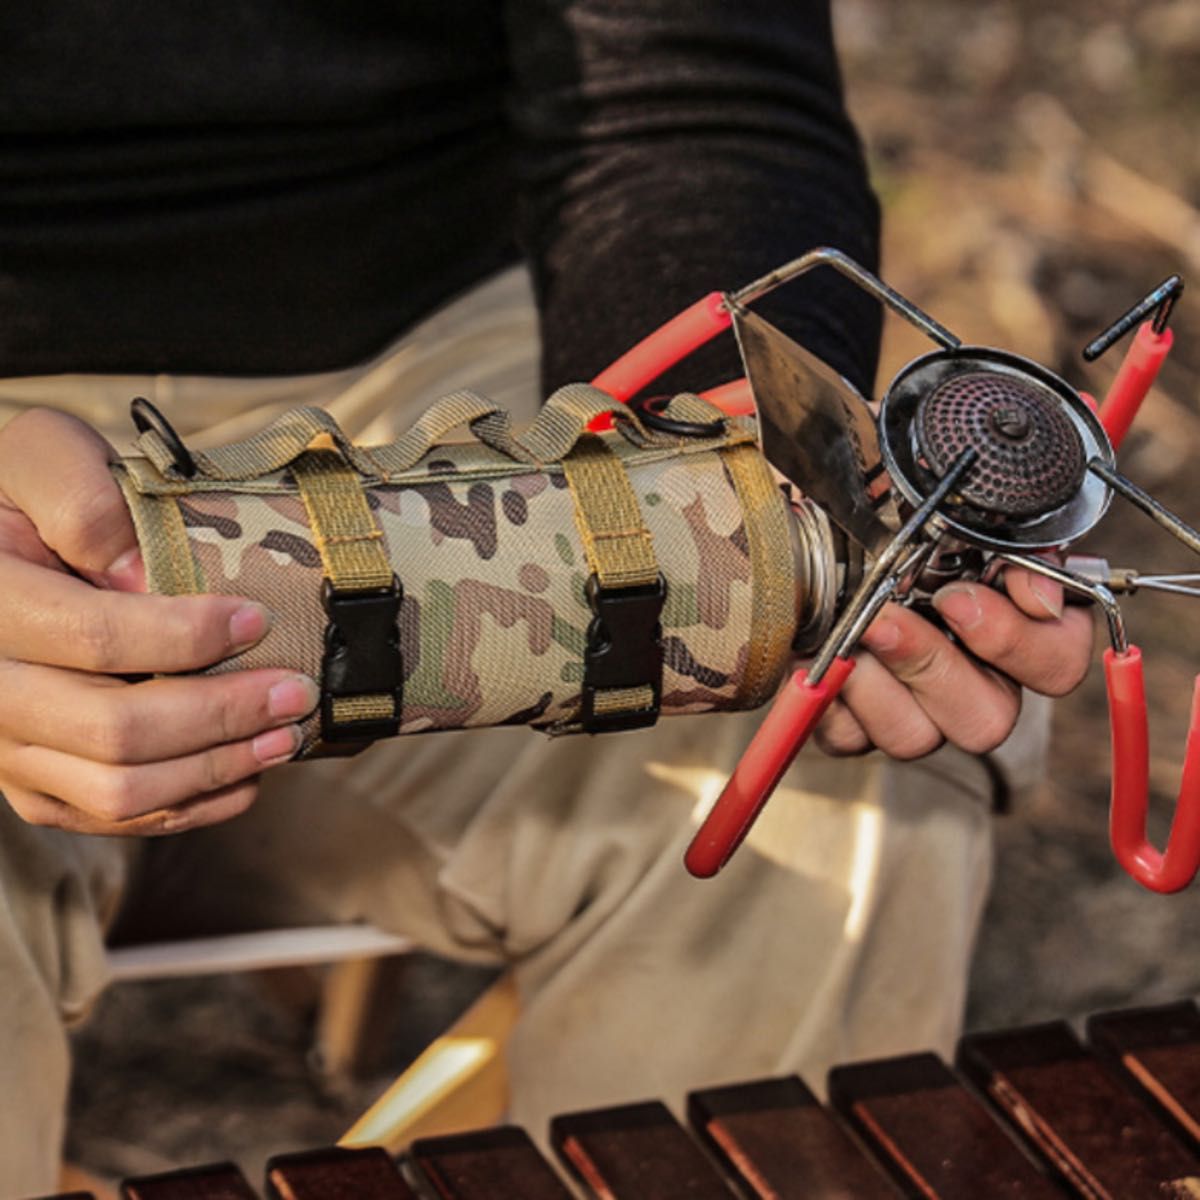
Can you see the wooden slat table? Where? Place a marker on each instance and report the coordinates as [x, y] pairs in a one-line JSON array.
[[933, 1136], [1158, 1051], [777, 1137], [478, 1166], [1030, 1114], [1079, 1115]]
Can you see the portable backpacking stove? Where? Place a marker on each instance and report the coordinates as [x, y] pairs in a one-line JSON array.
[[978, 458]]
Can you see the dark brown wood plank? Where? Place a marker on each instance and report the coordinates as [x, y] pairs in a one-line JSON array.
[[1106, 1143], [776, 1137], [934, 1137], [220, 1181], [487, 1165], [1157, 1051], [336, 1174], [635, 1152]]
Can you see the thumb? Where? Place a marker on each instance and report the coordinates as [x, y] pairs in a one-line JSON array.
[[55, 470]]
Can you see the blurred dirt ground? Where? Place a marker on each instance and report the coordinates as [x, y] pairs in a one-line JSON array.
[[1040, 170]]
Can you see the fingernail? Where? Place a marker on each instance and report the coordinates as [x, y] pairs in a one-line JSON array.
[[126, 573], [958, 603], [277, 745], [882, 635], [1049, 594], [293, 697], [248, 625], [176, 821]]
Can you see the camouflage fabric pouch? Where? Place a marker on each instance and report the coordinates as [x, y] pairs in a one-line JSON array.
[[545, 576]]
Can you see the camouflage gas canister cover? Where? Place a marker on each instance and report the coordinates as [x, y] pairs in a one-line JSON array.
[[484, 536]]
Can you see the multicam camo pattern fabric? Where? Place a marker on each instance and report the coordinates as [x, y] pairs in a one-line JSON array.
[[494, 617]]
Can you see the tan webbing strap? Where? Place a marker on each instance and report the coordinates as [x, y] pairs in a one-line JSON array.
[[563, 420], [616, 702], [346, 709], [458, 408], [347, 537], [288, 436], [361, 672], [555, 431], [773, 602], [619, 549], [688, 407], [622, 682], [267, 451], [171, 568]]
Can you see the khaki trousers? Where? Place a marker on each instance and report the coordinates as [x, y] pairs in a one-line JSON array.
[[842, 929]]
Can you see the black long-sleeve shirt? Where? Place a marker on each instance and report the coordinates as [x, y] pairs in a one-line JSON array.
[[276, 186]]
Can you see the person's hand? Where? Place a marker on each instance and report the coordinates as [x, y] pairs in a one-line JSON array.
[[914, 688], [81, 747]]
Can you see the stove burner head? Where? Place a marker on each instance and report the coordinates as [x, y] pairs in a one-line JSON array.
[[1033, 434], [1031, 457]]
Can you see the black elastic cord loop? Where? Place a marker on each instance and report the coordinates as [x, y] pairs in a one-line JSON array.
[[649, 410], [146, 418]]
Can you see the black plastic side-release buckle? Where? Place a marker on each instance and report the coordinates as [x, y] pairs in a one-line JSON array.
[[624, 651], [362, 658]]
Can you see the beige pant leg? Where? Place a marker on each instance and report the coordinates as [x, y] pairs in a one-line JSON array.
[[842, 929], [57, 893]]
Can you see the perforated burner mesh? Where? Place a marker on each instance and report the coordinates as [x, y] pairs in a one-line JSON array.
[[1031, 457]]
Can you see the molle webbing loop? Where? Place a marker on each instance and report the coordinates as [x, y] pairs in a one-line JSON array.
[[289, 436], [622, 683], [559, 425], [362, 671]]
